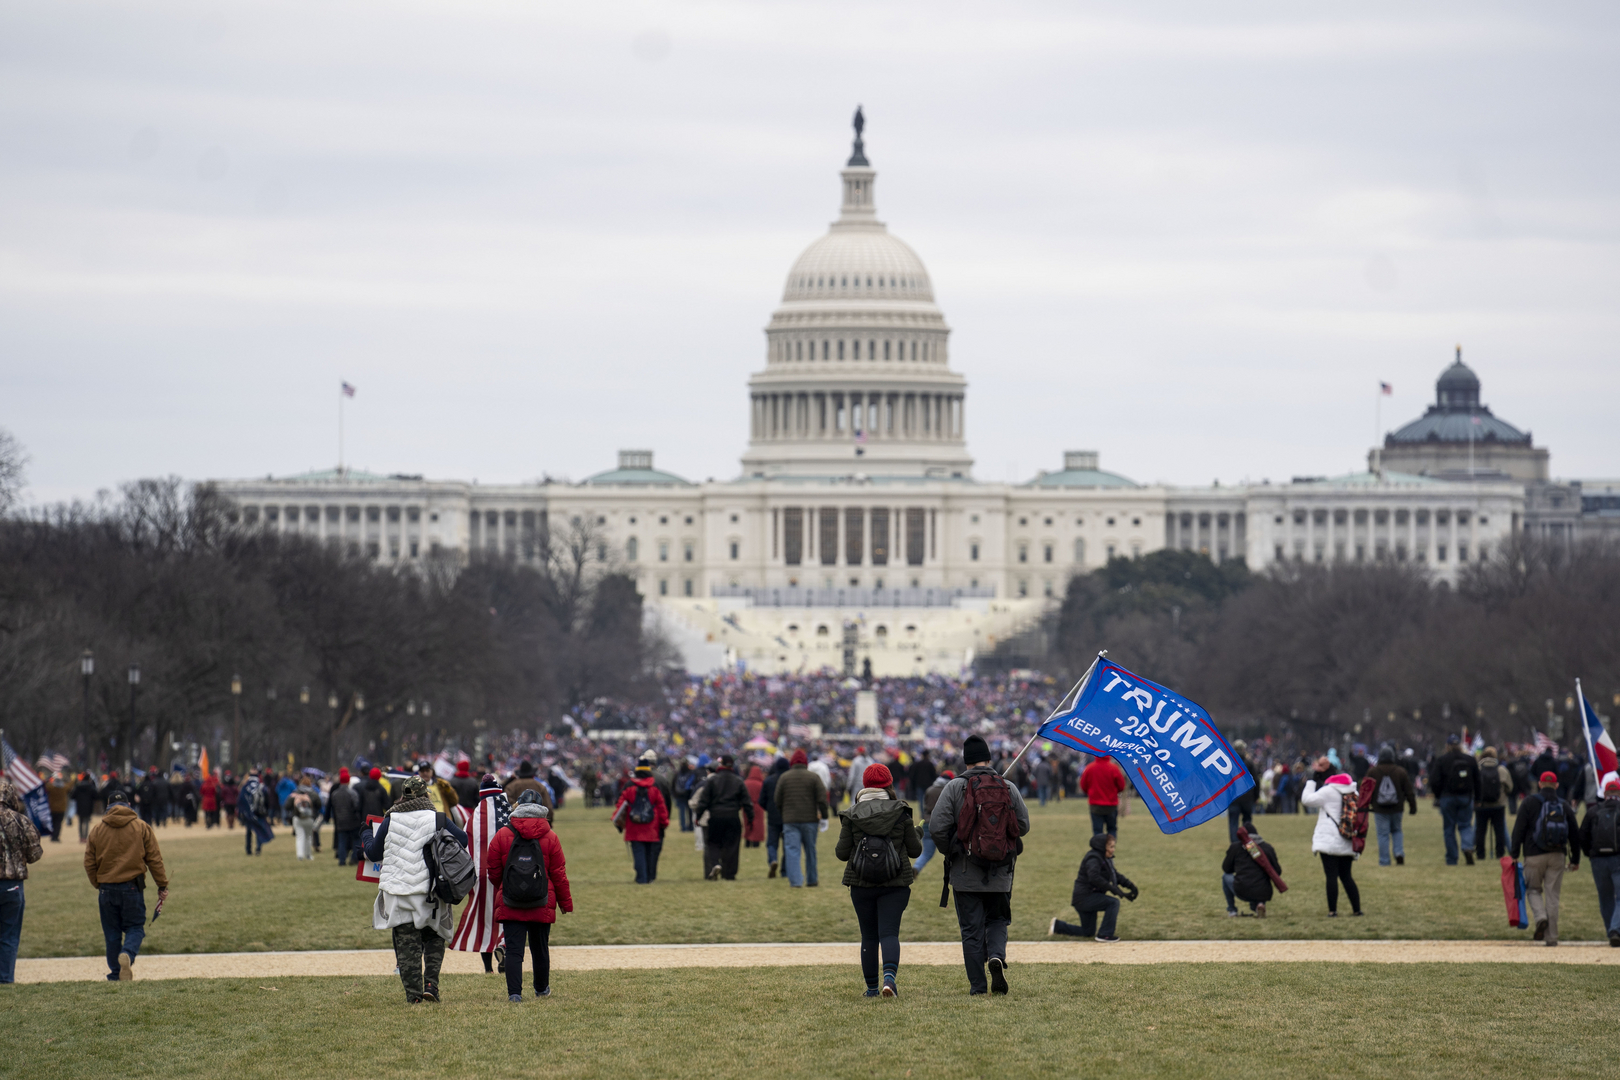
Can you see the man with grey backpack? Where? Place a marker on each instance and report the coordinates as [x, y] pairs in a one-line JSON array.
[[878, 840]]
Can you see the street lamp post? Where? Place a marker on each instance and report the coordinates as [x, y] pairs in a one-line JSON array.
[[236, 717], [87, 668], [332, 703], [410, 710], [427, 728], [303, 701], [360, 707], [134, 685]]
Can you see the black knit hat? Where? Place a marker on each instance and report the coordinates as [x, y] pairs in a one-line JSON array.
[[975, 750]]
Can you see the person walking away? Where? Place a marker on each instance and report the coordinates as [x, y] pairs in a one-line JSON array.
[[525, 864], [773, 815], [722, 798], [302, 807], [1043, 780], [420, 923], [930, 800], [1454, 782], [229, 796], [121, 850], [1541, 836], [1240, 811], [343, 807], [1490, 810], [84, 803], [978, 824], [146, 798], [642, 816], [19, 846], [210, 802], [1600, 842], [479, 930], [182, 797], [278, 791], [1098, 887], [1390, 788], [802, 799], [1334, 801], [755, 835], [877, 839], [375, 799], [685, 787], [525, 781], [923, 774], [465, 785], [1102, 781], [857, 769], [56, 797], [249, 807], [1248, 872]]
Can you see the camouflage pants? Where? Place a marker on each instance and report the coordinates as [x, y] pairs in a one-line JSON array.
[[420, 953]]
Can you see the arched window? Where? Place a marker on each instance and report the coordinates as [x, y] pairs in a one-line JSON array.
[[843, 282], [925, 352], [914, 350], [856, 345], [801, 350], [824, 350], [868, 281], [871, 349], [885, 350], [840, 350]]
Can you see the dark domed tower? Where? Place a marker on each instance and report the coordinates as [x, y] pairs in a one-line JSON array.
[[1459, 439]]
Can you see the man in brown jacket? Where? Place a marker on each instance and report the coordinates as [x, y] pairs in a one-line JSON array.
[[121, 849], [802, 798], [525, 781]]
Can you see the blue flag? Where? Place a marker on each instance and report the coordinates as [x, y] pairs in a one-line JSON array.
[[1183, 768]]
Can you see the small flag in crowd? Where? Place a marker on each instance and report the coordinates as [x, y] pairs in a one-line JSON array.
[[29, 786], [348, 391], [1183, 767], [1544, 744], [1386, 389], [52, 763]]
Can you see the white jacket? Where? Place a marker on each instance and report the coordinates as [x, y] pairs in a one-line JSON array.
[[404, 867], [1327, 803]]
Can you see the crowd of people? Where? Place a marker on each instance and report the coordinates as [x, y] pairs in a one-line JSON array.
[[740, 763]]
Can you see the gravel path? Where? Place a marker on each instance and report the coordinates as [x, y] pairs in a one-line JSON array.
[[356, 963]]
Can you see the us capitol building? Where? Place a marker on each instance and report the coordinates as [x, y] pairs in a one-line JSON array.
[[856, 503]]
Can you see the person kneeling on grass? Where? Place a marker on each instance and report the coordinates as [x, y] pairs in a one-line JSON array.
[[525, 862], [1096, 888], [421, 924], [876, 830], [1248, 872]]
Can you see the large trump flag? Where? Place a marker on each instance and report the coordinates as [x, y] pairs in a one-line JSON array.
[[1183, 768]]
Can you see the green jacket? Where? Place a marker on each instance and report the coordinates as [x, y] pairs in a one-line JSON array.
[[801, 796], [879, 817]]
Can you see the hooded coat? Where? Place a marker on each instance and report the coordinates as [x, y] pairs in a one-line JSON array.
[[1404, 791], [879, 816], [551, 853], [1097, 874], [755, 785], [122, 847], [1328, 804], [649, 832]]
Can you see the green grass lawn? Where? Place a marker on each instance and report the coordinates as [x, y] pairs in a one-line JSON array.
[[224, 901], [1203, 1020]]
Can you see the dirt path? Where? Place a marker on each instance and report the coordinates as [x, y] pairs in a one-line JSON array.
[[595, 957]]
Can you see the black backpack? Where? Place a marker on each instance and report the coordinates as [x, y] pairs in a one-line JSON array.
[[450, 868], [1552, 825], [1490, 784], [1605, 827], [641, 807], [524, 883], [875, 860]]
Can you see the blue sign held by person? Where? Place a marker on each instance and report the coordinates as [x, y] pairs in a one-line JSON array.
[[1183, 768]]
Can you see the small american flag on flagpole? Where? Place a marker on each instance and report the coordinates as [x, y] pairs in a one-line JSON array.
[[1386, 389], [348, 391]]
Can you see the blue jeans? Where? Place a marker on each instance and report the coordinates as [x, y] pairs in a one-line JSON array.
[[1045, 791], [1457, 819], [1233, 813], [1606, 872], [1389, 829], [684, 811], [123, 922], [796, 835], [927, 851], [1229, 887], [645, 854], [773, 840], [11, 912], [347, 843]]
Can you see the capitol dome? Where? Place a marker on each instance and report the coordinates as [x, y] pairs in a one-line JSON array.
[[857, 377]]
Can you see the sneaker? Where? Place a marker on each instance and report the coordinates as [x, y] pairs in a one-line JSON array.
[[998, 980], [500, 959], [1051, 931], [430, 991], [773, 871], [516, 999], [872, 991], [543, 993], [1468, 857], [1107, 940], [1333, 914], [1541, 930], [125, 972], [1400, 860], [890, 990], [714, 872], [1231, 913], [811, 884], [1357, 914], [1614, 939], [973, 992], [1552, 943], [1260, 910]]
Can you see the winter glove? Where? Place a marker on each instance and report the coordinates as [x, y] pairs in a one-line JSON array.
[[1135, 892]]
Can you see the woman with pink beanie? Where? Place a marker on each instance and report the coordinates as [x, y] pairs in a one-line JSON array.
[[1338, 856]]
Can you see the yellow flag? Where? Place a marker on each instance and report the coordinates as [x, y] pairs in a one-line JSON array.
[[678, 740]]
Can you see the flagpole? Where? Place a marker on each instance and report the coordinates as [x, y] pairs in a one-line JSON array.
[[1072, 693], [340, 433]]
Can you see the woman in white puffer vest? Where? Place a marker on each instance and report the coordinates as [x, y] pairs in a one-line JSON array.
[[1338, 854], [421, 925]]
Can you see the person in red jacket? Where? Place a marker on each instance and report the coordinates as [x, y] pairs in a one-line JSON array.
[[210, 802], [531, 924], [755, 834], [641, 798], [1102, 781]]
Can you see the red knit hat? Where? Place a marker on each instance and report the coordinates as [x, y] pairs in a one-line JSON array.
[[343, 776], [463, 768], [376, 773], [876, 776], [800, 757]]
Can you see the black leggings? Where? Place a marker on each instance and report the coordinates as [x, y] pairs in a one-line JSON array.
[[538, 935], [1337, 868], [878, 911]]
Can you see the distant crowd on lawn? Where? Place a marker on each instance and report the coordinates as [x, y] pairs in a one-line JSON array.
[[736, 761]]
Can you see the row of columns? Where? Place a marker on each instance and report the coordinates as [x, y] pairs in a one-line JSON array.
[[910, 535], [883, 414]]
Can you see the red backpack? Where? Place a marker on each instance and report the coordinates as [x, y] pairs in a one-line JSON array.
[[987, 825]]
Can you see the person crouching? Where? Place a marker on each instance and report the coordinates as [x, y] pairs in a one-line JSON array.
[[420, 924], [1248, 872], [1097, 888], [525, 862]]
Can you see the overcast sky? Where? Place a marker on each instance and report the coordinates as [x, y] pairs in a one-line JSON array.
[[531, 234]]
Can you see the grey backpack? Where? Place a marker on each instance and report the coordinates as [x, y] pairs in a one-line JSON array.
[[450, 868]]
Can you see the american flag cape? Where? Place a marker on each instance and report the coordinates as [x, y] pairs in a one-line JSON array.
[[29, 786], [479, 932]]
